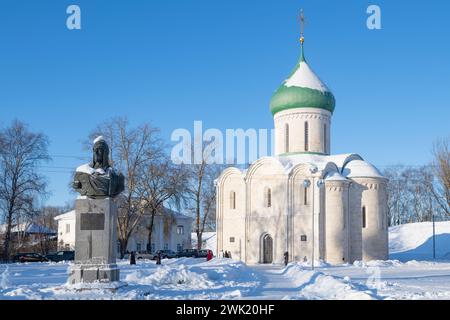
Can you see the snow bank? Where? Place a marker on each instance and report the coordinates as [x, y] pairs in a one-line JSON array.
[[165, 276], [414, 241], [377, 263], [317, 285]]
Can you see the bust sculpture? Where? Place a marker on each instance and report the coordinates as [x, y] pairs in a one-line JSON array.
[[98, 180]]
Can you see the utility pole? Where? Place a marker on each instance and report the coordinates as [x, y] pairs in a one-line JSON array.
[[434, 236]]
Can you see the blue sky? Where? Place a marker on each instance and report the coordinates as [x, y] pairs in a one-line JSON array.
[[172, 62]]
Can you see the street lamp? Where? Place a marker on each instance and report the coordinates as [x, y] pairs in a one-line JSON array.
[[307, 184]]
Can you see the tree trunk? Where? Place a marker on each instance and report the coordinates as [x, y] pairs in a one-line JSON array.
[[123, 243], [199, 233], [7, 237], [199, 239], [150, 231]]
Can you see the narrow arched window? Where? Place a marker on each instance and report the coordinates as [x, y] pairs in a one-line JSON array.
[[306, 136], [325, 138], [364, 219], [232, 200], [286, 138], [267, 197], [305, 196]]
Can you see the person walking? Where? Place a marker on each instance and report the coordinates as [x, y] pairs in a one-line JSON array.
[[132, 258], [209, 256], [286, 258], [158, 257]]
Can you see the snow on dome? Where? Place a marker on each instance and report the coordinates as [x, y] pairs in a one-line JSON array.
[[304, 77], [360, 168], [320, 161], [335, 176], [99, 138]]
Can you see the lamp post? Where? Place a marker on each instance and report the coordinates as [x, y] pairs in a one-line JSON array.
[[434, 237], [307, 184]]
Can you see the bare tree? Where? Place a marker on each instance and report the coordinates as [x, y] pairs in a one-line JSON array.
[[409, 195], [203, 192], [441, 166], [21, 153], [133, 150], [162, 183]]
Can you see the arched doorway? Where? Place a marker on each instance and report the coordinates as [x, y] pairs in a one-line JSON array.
[[267, 249]]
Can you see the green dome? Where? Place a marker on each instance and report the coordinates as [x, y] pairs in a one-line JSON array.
[[303, 89]]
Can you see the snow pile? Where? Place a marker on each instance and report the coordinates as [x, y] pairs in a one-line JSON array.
[[317, 285], [228, 272], [185, 278], [377, 263], [414, 241], [190, 278], [165, 276]]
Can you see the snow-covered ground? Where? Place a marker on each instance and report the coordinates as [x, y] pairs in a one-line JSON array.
[[189, 278], [184, 278], [414, 241]]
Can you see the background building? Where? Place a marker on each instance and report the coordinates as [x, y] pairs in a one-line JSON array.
[[171, 230]]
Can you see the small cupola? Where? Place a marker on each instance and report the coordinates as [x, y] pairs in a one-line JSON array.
[[303, 89]]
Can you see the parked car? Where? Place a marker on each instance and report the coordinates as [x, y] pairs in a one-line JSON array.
[[187, 253], [29, 257], [194, 253], [165, 254], [144, 255], [202, 254], [61, 256]]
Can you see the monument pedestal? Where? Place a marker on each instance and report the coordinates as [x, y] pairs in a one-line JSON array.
[[92, 273], [95, 242]]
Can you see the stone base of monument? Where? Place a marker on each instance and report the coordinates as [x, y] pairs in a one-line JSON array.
[[91, 286], [95, 243], [86, 273]]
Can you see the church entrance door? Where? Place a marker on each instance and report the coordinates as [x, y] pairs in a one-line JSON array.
[[267, 249]]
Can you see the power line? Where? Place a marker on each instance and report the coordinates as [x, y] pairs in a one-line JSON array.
[[68, 156]]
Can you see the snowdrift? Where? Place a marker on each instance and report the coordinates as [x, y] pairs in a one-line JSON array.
[[414, 241]]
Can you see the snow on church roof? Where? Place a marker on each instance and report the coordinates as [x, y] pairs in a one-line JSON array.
[[338, 167], [335, 176], [360, 168], [349, 165], [291, 160]]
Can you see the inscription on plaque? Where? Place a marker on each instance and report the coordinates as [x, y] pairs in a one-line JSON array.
[[92, 221]]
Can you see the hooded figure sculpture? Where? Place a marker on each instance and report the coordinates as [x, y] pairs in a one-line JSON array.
[[98, 179]]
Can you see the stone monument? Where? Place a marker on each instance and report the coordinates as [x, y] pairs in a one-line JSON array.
[[96, 219]]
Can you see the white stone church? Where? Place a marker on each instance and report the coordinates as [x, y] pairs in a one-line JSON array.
[[303, 200]]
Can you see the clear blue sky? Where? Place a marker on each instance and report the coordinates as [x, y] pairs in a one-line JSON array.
[[172, 62]]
